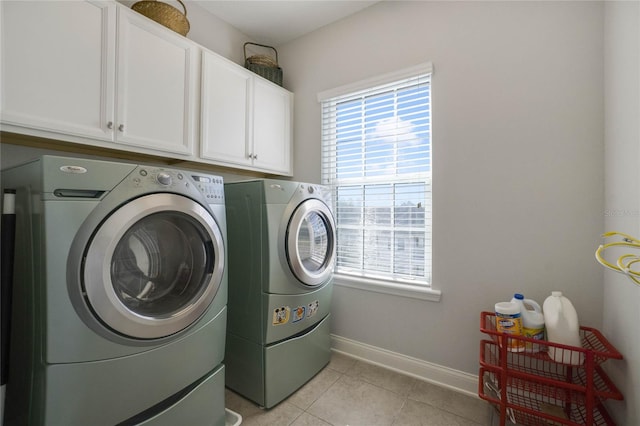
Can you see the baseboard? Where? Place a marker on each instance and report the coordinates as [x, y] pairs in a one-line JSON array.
[[437, 374]]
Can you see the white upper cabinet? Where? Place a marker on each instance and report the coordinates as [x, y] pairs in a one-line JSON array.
[[61, 62], [57, 66], [156, 86], [271, 126], [245, 120], [224, 116], [98, 73]]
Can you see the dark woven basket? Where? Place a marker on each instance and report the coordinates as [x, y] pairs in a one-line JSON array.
[[264, 65]]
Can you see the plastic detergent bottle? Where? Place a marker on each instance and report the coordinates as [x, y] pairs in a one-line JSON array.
[[561, 321], [532, 321], [509, 321]]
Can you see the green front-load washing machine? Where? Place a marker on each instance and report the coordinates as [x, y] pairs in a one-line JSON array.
[[119, 296], [281, 261]]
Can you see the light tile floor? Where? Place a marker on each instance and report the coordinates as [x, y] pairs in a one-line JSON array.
[[352, 392]]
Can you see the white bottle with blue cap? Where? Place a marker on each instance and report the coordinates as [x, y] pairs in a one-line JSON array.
[[532, 321]]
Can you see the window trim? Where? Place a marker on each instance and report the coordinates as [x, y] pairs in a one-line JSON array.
[[425, 68], [384, 286], [388, 287]]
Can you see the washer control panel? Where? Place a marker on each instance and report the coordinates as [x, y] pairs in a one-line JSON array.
[[164, 178], [158, 178], [212, 187]]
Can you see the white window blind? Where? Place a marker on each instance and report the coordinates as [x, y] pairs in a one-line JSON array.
[[376, 158]]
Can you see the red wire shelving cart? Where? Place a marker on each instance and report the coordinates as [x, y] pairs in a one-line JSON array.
[[530, 388]]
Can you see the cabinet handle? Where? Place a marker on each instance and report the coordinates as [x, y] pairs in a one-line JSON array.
[[121, 127], [255, 156], [110, 125]]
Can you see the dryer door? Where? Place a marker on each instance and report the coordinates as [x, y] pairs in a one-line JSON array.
[[153, 266], [310, 242]]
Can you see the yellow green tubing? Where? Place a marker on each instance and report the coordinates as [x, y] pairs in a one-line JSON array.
[[626, 267], [621, 267], [625, 236]]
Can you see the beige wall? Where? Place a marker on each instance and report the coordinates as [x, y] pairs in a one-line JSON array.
[[621, 298], [518, 158]]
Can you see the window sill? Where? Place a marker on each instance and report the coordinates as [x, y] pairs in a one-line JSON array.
[[387, 287]]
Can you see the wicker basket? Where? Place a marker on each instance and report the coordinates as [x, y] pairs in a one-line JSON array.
[[264, 65], [164, 14]]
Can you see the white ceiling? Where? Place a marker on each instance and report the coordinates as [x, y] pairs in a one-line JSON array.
[[277, 22]]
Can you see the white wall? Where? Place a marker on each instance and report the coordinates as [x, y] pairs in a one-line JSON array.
[[518, 158], [622, 202]]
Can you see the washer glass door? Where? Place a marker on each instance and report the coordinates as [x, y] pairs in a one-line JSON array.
[[311, 242], [154, 266]]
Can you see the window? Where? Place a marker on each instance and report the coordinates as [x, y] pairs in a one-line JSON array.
[[376, 158]]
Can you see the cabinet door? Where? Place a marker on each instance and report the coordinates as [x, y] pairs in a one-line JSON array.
[[57, 63], [156, 81], [225, 113], [272, 107]]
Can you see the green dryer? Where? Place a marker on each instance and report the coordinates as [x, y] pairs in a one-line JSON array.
[[281, 256]]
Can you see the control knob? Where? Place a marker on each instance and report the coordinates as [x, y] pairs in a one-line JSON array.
[[164, 178]]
